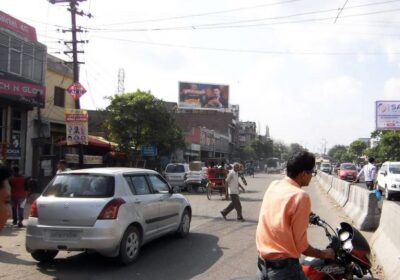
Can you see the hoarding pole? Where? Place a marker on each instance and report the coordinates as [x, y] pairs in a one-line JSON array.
[[75, 66], [39, 143]]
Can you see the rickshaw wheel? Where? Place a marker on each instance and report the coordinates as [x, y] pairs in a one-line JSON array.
[[209, 190]]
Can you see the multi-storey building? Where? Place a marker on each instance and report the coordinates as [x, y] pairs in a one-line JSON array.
[[22, 87]]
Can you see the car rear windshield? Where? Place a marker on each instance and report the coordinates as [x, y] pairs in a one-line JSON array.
[[349, 167], [81, 185], [175, 168]]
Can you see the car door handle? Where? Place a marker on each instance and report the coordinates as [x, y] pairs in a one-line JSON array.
[[138, 202], [161, 199]]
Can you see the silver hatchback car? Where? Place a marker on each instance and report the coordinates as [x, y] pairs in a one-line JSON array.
[[109, 210]]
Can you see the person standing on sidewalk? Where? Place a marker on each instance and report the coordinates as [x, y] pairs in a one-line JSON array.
[[5, 174], [369, 171], [18, 196], [233, 188], [281, 235]]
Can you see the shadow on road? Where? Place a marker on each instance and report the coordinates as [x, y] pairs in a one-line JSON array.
[[9, 258], [167, 258]]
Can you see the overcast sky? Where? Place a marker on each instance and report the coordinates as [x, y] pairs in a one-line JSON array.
[[287, 62]]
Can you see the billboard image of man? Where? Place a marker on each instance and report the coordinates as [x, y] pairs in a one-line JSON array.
[[194, 95]]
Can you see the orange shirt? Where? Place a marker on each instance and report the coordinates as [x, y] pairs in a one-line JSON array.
[[283, 222]]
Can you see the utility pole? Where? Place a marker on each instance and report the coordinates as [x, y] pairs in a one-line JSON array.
[[73, 4], [39, 139]]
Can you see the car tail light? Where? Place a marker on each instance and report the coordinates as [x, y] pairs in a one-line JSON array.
[[34, 210], [110, 211]]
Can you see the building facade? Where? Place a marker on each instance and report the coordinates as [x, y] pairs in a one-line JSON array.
[[22, 86], [45, 131], [247, 132]]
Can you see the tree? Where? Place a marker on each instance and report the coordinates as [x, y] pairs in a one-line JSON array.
[[138, 118], [263, 149], [295, 148], [388, 148], [280, 150], [246, 152], [357, 148], [339, 153]]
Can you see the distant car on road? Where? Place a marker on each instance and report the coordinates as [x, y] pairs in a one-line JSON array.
[[112, 211], [176, 174], [326, 167], [389, 179], [347, 171]]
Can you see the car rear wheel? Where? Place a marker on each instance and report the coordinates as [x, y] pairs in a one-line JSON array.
[[130, 245], [184, 227], [44, 255]]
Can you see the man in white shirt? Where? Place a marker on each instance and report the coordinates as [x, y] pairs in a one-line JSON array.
[[369, 171], [233, 188]]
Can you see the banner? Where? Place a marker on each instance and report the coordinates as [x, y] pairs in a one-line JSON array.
[[387, 115], [203, 96], [76, 121]]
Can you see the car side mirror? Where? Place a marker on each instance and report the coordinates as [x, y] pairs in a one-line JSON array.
[[385, 173]]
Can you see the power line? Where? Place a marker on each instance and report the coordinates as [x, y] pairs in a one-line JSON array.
[[244, 50], [203, 14], [340, 11], [224, 25]]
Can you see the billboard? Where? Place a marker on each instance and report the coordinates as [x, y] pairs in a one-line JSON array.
[[203, 96], [76, 121], [387, 115]]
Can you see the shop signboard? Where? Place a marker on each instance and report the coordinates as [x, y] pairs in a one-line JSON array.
[[148, 150]]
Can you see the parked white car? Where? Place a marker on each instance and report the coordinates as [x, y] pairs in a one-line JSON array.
[[389, 179], [176, 173], [113, 211]]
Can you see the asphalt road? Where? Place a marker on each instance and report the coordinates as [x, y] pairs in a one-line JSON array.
[[215, 249]]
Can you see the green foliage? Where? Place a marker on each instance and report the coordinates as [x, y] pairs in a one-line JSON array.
[[388, 147], [246, 153], [281, 151], [138, 118], [340, 153], [357, 148], [262, 149], [295, 148]]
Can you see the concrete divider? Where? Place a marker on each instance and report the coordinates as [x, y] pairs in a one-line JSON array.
[[325, 180], [362, 208], [340, 191], [386, 240]]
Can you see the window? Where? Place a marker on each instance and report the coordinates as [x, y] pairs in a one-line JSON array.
[[22, 58], [138, 184], [15, 56], [158, 184], [59, 97], [27, 61], [81, 185]]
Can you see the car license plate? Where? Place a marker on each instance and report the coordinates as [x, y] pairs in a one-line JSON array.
[[64, 235]]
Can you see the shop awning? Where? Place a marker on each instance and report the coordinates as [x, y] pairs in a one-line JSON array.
[[95, 141]]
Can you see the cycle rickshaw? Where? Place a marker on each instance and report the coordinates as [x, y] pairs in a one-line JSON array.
[[216, 182]]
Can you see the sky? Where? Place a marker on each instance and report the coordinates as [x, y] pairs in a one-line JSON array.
[[310, 70]]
